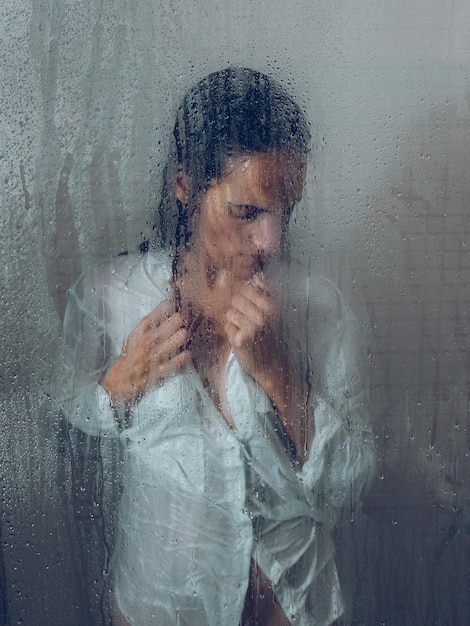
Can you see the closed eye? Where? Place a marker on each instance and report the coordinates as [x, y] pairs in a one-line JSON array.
[[245, 212], [249, 213]]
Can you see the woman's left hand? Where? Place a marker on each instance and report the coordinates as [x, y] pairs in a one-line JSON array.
[[253, 331], [250, 328]]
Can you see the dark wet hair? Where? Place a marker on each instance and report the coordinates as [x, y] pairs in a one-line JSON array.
[[235, 111]]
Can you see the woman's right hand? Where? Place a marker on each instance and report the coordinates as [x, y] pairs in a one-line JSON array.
[[155, 349]]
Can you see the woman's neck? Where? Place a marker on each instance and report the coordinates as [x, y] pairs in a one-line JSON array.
[[204, 295], [203, 299]]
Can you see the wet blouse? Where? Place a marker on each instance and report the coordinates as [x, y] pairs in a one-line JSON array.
[[200, 500]]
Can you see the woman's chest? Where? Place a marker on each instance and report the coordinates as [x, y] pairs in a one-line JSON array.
[[209, 358]]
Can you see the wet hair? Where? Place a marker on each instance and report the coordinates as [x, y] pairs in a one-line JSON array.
[[232, 112]]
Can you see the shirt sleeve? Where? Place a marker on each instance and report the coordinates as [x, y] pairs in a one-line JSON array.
[[104, 305], [88, 353], [342, 457]]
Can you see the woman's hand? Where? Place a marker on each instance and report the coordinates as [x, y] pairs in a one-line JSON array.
[[155, 349], [250, 327], [253, 331]]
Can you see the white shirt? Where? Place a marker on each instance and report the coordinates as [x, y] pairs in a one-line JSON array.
[[200, 500]]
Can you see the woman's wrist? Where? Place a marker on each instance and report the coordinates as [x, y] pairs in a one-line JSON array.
[[121, 394]]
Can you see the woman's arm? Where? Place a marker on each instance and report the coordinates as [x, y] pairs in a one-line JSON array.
[[318, 386], [297, 507], [342, 455], [118, 344], [252, 330]]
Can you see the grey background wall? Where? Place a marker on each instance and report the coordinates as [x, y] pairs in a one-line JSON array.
[[88, 92]]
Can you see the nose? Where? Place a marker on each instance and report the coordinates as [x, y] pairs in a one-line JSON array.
[[266, 234]]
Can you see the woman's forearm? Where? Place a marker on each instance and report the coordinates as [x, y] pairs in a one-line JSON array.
[[290, 397]]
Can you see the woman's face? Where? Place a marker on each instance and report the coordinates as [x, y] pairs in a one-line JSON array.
[[240, 220]]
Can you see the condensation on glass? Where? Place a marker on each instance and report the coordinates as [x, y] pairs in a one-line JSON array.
[[89, 92]]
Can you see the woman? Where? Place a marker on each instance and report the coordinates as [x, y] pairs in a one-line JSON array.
[[238, 404]]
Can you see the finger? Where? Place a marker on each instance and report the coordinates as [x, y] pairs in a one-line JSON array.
[[244, 325], [148, 337], [261, 299], [167, 327], [261, 285], [153, 319], [235, 336], [172, 345], [266, 289], [244, 307], [162, 311], [175, 364], [160, 371]]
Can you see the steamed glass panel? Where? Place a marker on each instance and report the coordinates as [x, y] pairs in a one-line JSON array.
[[89, 91]]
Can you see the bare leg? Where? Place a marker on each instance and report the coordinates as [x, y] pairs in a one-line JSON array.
[[118, 619], [261, 605]]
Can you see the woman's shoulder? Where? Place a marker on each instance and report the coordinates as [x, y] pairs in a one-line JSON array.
[[130, 272], [311, 294], [317, 317], [121, 291]]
